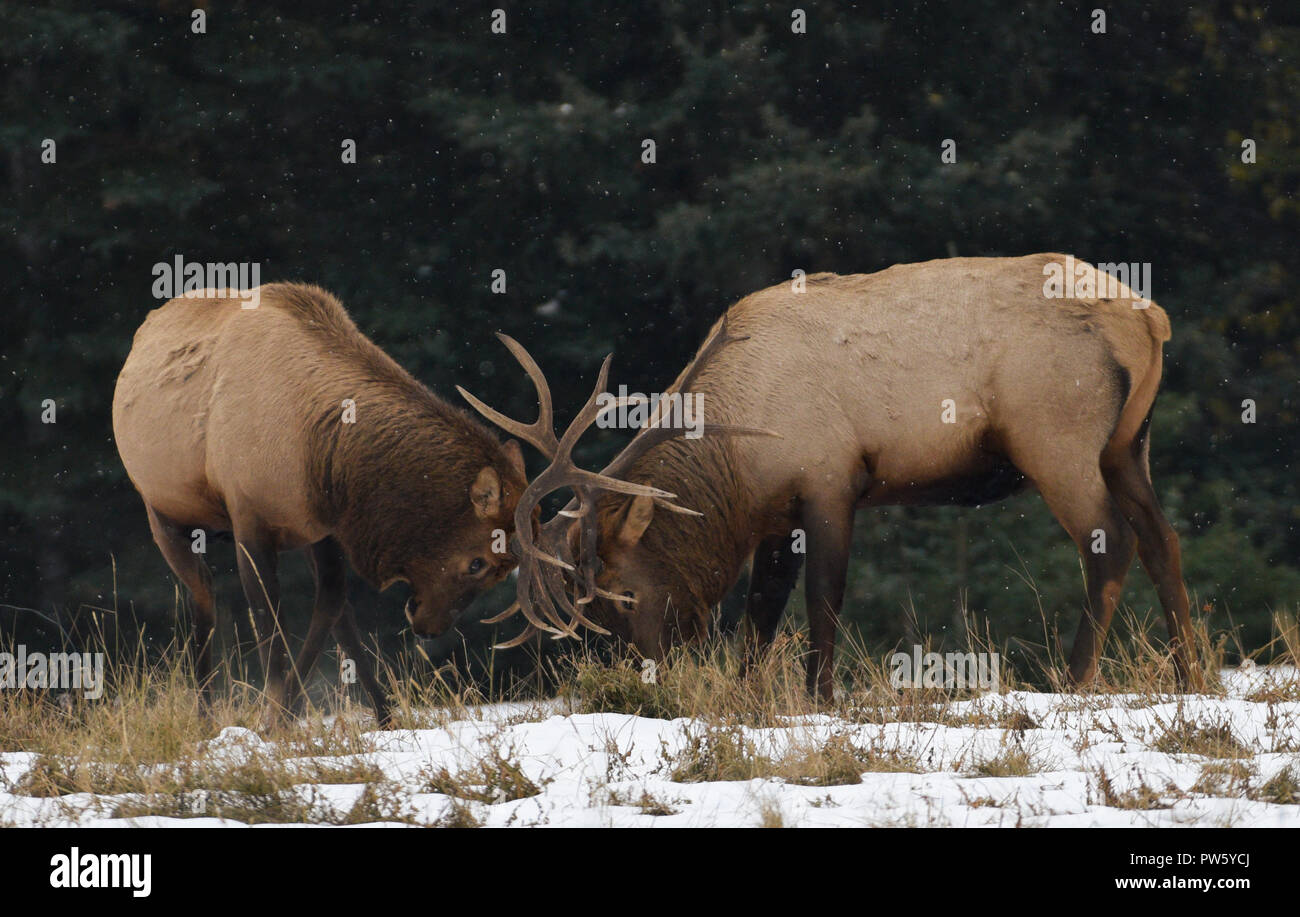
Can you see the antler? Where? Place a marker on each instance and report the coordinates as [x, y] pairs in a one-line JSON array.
[[541, 432], [542, 594], [540, 585], [653, 434]]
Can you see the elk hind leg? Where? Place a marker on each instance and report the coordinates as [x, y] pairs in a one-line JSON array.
[[1091, 517], [188, 566], [329, 569], [1130, 482], [256, 557]]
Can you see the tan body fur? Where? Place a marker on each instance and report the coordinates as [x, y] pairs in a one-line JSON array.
[[854, 374], [234, 419]]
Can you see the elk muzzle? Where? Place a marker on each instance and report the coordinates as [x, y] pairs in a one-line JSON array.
[[427, 621]]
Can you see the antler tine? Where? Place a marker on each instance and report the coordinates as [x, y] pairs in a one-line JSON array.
[[550, 559], [532, 599], [673, 507], [582, 508], [589, 564], [587, 416], [524, 636], [546, 587], [541, 592], [503, 616], [556, 586], [526, 604], [515, 608], [529, 571], [532, 596], [541, 432]]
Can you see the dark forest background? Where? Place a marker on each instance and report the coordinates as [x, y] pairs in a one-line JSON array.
[[775, 151]]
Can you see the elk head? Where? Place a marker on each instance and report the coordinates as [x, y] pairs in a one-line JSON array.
[[446, 573]]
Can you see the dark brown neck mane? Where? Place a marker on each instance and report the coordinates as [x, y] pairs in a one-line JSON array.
[[704, 553], [428, 450]]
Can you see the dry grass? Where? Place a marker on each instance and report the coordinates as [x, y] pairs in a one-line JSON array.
[[269, 786], [1282, 788], [717, 753], [145, 743], [1141, 797], [647, 803], [1210, 739], [1224, 778], [722, 753], [1008, 761], [1138, 661], [266, 802], [839, 761], [707, 684], [150, 713], [459, 815], [495, 777], [770, 814]]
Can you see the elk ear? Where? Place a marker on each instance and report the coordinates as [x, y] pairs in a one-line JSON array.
[[485, 493], [639, 513], [516, 457]]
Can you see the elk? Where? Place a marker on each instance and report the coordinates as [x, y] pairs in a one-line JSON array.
[[287, 427], [958, 381]]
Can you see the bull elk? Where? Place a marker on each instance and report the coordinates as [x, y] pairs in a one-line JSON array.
[[958, 381], [287, 427]]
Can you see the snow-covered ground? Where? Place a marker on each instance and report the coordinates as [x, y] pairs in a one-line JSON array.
[[1084, 761]]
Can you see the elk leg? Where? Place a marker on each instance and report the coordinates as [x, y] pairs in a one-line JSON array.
[[349, 638], [188, 566], [257, 572], [329, 570], [774, 571], [1091, 517], [830, 534], [1158, 550]]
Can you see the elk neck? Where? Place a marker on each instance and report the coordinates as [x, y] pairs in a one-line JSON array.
[[704, 552], [396, 479]]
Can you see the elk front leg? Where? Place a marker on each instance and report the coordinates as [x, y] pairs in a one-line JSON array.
[[349, 638], [772, 576], [829, 529]]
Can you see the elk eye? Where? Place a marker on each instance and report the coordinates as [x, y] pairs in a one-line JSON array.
[[629, 596], [476, 566]]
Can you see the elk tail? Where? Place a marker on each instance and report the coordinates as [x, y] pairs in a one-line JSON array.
[[1136, 412]]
